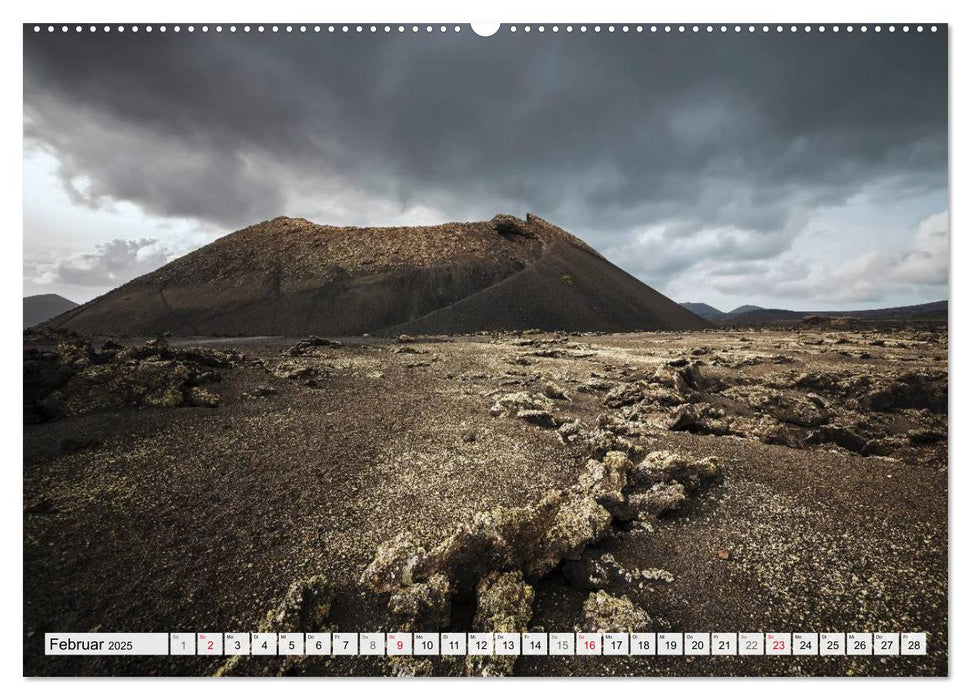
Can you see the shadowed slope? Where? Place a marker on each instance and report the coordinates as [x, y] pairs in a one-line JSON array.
[[293, 277]]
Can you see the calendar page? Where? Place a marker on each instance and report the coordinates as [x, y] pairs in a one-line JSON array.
[[515, 349]]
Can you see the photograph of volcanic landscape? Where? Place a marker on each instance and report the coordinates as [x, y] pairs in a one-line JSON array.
[[505, 422]]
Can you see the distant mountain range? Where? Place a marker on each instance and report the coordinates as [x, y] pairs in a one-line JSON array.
[[42, 307], [758, 315], [710, 313]]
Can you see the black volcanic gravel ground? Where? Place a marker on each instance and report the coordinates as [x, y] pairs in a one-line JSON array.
[[198, 519]]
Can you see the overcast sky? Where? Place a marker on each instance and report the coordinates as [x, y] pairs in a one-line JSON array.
[[804, 171]]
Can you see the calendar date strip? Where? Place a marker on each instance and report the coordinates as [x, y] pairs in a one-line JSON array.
[[486, 644]]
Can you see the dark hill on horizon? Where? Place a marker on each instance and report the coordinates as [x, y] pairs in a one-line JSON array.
[[935, 310], [293, 277], [710, 313], [43, 307], [744, 309], [758, 315], [706, 311]]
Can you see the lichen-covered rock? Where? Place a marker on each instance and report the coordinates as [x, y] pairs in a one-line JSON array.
[[701, 418], [555, 391], [661, 396], [655, 468], [775, 433], [543, 419], [600, 442], [311, 346], [197, 396], [410, 666], [603, 612], [501, 538], [533, 539], [393, 564], [845, 436], [304, 608], [593, 385], [579, 522], [680, 376], [570, 431], [828, 382], [76, 354], [207, 357], [589, 574], [661, 466], [662, 575], [76, 380], [516, 402], [423, 606], [303, 370], [605, 481], [548, 352], [807, 411], [159, 350], [112, 386], [504, 604], [625, 394], [917, 389], [604, 476], [629, 422], [658, 500]]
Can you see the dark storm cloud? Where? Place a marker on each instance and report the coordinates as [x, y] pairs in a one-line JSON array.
[[602, 133]]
